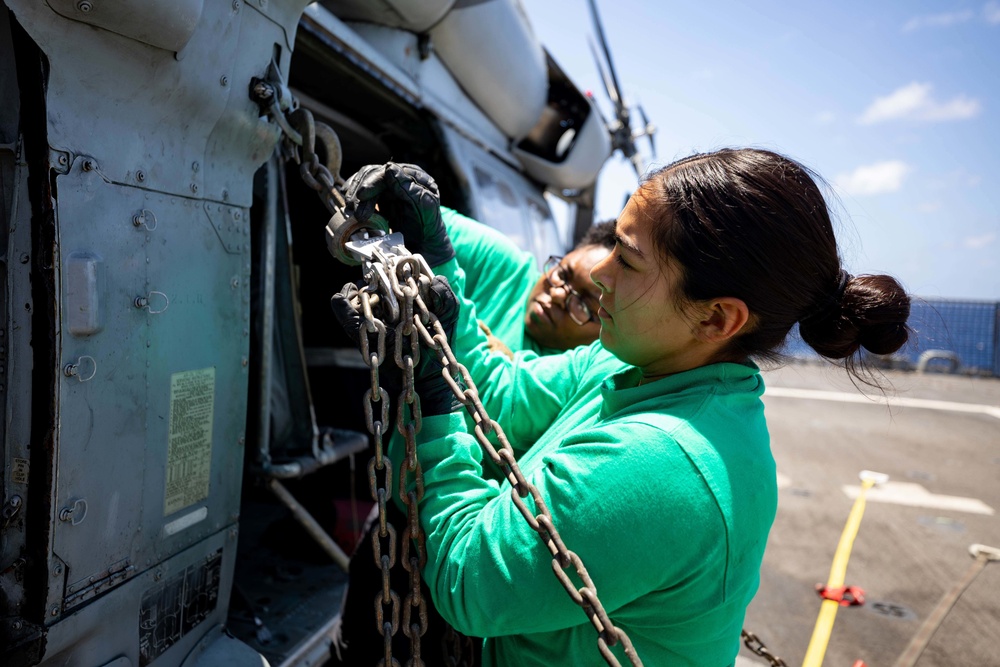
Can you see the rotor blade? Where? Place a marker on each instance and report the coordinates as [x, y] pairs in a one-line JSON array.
[[608, 85], [638, 163], [649, 129], [607, 52], [597, 109]]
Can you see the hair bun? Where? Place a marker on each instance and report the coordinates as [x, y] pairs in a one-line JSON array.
[[871, 313]]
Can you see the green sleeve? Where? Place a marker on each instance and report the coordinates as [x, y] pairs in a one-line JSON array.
[[489, 573], [524, 394], [498, 276]]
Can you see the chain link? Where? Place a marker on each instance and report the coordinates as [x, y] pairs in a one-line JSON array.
[[299, 130], [413, 553], [408, 423], [315, 174], [753, 642], [380, 476]]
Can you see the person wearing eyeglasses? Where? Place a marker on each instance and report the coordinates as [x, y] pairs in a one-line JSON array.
[[520, 307]]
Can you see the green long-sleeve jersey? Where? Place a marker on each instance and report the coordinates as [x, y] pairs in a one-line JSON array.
[[498, 278], [666, 491]]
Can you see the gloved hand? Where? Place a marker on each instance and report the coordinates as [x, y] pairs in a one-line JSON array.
[[436, 396], [352, 322], [408, 198]]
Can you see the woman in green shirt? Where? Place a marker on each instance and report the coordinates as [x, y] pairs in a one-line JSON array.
[[658, 476]]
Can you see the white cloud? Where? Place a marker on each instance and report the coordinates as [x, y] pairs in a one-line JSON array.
[[991, 12], [915, 102], [874, 179], [937, 20], [976, 242]]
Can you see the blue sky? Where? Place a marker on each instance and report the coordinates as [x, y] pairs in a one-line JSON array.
[[895, 104]]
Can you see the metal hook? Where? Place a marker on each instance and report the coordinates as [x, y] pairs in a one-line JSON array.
[[139, 219], [144, 302], [73, 370]]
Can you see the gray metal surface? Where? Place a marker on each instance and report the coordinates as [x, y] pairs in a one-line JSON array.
[[177, 123]]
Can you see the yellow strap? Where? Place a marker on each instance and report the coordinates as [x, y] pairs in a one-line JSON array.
[[838, 571]]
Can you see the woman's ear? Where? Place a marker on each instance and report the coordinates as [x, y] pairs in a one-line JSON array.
[[722, 319]]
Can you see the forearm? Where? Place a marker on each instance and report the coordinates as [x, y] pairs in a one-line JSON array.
[[487, 570]]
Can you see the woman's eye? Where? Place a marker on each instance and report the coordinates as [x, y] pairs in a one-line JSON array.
[[621, 261]]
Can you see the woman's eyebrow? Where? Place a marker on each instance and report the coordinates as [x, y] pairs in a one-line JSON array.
[[631, 247]]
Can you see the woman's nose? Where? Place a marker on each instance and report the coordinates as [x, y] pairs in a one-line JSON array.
[[598, 274]]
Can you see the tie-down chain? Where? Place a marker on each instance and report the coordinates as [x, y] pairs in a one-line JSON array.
[[405, 279], [400, 283], [300, 132]]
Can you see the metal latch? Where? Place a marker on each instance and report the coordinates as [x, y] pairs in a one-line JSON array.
[[10, 510], [75, 514]]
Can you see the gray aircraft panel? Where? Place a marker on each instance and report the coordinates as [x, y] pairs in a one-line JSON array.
[[101, 443], [118, 444], [199, 344]]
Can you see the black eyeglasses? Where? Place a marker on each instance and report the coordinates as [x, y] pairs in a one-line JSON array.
[[555, 276]]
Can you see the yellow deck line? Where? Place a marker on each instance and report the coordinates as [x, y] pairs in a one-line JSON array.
[[838, 571]]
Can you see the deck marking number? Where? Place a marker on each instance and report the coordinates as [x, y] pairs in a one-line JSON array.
[[189, 438]]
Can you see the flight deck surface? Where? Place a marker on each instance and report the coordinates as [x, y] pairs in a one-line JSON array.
[[939, 442]]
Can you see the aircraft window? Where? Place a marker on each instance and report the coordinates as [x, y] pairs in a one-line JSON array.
[[545, 231], [500, 208], [487, 181]]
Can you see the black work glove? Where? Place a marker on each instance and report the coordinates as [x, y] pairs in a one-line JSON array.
[[436, 396], [408, 198], [352, 322]]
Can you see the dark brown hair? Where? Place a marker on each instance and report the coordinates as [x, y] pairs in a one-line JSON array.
[[600, 233], [752, 224]]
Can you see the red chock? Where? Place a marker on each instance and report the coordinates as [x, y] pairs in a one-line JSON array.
[[846, 596]]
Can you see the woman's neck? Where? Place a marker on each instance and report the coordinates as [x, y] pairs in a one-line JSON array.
[[646, 379]]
